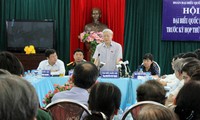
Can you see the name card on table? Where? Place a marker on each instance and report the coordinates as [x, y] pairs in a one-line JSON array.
[[109, 74], [137, 74], [70, 73], [142, 75], [46, 73]]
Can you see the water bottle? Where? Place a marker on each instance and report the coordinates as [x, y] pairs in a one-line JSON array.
[[141, 71], [39, 72]]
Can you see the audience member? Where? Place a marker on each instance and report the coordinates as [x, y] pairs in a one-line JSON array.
[[151, 90], [156, 112], [187, 101], [52, 63], [96, 25], [108, 52], [104, 101], [177, 68], [18, 99], [171, 81], [78, 58], [11, 63], [84, 76], [149, 65], [189, 67]]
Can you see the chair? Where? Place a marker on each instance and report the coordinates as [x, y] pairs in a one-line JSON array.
[[66, 109], [156, 65], [136, 108]]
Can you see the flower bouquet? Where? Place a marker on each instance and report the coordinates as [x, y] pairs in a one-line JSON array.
[[29, 49], [58, 88], [92, 38]]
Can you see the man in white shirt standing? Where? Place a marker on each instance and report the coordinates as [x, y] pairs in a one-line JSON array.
[[108, 52], [52, 63]]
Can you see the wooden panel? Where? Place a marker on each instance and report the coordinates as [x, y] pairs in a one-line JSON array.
[[30, 61]]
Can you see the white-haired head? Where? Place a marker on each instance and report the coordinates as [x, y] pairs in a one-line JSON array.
[[108, 30]]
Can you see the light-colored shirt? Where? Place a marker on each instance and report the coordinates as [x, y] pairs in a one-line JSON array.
[[79, 94], [108, 55], [58, 67], [172, 81], [176, 91]]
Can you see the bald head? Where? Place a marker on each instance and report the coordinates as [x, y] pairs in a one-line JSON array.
[[85, 75]]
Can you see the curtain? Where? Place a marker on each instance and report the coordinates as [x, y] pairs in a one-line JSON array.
[[143, 26], [112, 15], [58, 10]]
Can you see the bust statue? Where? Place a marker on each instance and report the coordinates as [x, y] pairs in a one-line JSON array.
[[96, 25]]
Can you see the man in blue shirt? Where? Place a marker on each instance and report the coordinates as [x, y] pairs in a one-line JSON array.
[[84, 76]]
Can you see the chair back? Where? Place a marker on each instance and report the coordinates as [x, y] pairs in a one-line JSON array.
[[66, 109], [133, 110], [157, 66]]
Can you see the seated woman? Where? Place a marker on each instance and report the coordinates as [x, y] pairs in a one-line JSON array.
[[149, 65], [104, 101]]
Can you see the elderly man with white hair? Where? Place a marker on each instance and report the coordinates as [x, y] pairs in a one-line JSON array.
[[108, 52]]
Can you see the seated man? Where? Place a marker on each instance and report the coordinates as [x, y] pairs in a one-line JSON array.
[[148, 65], [78, 58], [84, 76], [170, 80], [52, 63], [11, 63]]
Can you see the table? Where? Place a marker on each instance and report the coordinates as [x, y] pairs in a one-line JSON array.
[[43, 85], [127, 87]]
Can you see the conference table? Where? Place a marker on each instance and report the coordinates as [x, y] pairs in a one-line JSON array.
[[127, 87]]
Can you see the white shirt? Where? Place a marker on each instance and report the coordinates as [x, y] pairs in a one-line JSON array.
[[59, 67], [172, 81], [108, 55], [176, 91]]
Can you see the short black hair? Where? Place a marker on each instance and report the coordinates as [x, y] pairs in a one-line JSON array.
[[11, 63], [78, 50], [190, 65], [151, 90], [85, 75], [148, 56], [18, 98], [105, 97], [190, 54], [48, 52]]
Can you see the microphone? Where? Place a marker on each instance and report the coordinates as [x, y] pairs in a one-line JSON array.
[[124, 67], [118, 66], [101, 64], [98, 61]]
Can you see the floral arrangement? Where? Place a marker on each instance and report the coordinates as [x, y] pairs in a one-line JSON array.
[[29, 49], [58, 88], [93, 38]]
